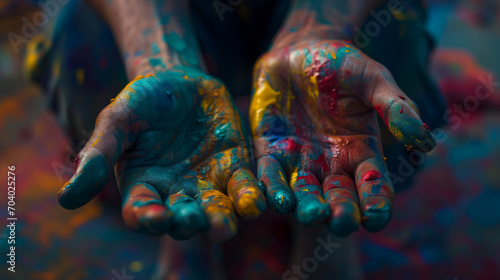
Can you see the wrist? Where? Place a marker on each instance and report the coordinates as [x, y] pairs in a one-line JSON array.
[[153, 36], [152, 64], [323, 20], [312, 33]]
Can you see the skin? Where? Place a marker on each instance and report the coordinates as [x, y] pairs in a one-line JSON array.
[[312, 120], [304, 121], [182, 161], [314, 125], [173, 135]]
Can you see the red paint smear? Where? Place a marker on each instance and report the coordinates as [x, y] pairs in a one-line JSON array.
[[136, 62], [315, 67], [379, 110], [291, 145], [322, 162], [402, 97], [76, 163], [327, 85], [371, 175], [305, 182], [287, 144], [308, 180], [401, 111], [426, 126], [155, 209]]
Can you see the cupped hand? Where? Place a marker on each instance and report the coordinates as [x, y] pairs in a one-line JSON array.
[[316, 135], [180, 157]]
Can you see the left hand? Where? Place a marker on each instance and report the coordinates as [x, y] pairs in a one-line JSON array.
[[180, 157], [316, 135]]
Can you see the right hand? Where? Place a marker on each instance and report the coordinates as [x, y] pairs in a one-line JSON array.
[[316, 135], [182, 160]]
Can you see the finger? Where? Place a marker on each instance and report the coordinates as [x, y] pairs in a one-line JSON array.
[[340, 194], [188, 218], [311, 209], [95, 162], [219, 210], [143, 209], [375, 192], [278, 193], [401, 115], [246, 195]]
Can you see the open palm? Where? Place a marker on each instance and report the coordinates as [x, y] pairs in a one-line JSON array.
[[182, 161], [316, 135]]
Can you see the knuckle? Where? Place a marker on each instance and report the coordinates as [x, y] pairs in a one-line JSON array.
[[377, 71]]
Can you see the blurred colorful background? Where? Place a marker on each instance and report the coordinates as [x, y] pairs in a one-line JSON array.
[[447, 226]]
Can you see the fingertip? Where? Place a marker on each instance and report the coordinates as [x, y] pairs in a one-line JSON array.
[[244, 191], [152, 218], [281, 200], [221, 216], [311, 211], [429, 143], [62, 197], [188, 220], [376, 213], [89, 180], [250, 203], [411, 132], [345, 218], [223, 226], [143, 210], [340, 193]]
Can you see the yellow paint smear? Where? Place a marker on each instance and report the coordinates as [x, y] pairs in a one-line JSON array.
[[264, 98], [294, 176], [126, 88], [97, 140]]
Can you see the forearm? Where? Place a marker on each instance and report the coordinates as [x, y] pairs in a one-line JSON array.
[[323, 19], [153, 35]]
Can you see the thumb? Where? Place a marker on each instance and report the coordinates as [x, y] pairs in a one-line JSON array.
[[401, 115], [95, 162]]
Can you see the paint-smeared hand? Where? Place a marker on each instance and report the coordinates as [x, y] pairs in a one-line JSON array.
[[182, 161], [316, 135]]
